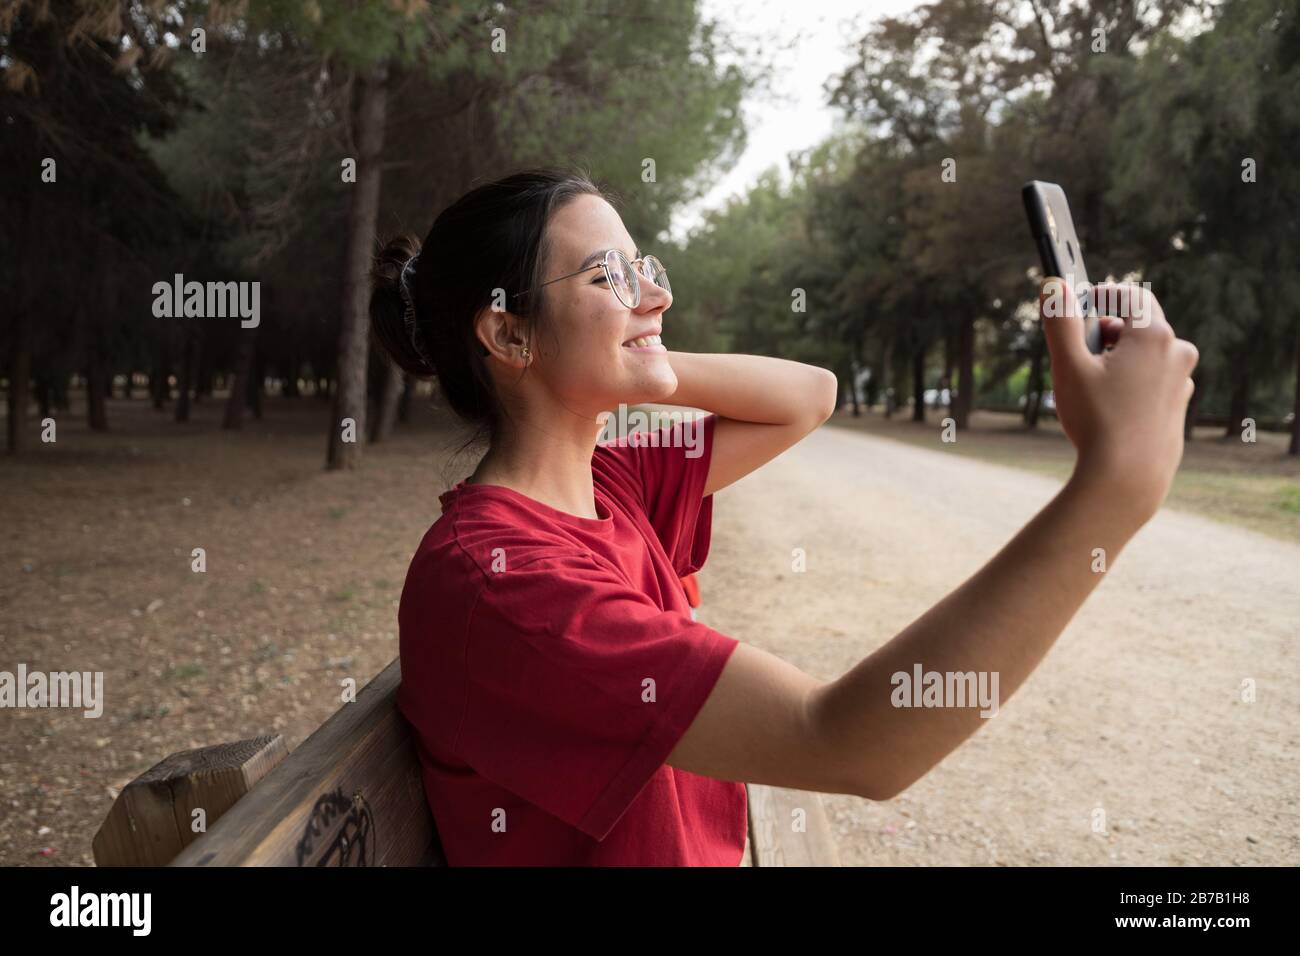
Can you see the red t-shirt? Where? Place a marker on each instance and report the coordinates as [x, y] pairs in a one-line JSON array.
[[550, 665]]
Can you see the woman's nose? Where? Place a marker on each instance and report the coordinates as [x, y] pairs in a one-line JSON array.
[[653, 295]]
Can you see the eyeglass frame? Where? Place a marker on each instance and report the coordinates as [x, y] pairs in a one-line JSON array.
[[609, 276]]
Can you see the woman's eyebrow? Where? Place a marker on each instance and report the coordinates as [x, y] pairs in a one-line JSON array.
[[600, 254]]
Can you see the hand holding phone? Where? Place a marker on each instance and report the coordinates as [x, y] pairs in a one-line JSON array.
[[1124, 414], [1058, 247]]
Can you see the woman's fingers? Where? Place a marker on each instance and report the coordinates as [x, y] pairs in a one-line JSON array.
[[1111, 328], [1134, 305], [1062, 323]]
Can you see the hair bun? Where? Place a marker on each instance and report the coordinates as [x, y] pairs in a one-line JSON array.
[[393, 315]]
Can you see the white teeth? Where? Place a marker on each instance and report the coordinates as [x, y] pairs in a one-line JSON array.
[[644, 341]]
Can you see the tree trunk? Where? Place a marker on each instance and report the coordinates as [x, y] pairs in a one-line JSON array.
[[61, 388], [162, 365], [96, 332], [238, 397], [949, 356], [257, 383], [96, 411], [203, 385], [44, 394], [874, 383], [1294, 447], [887, 377], [1034, 386], [20, 370], [1240, 400], [1201, 380], [158, 388], [389, 396], [363, 217], [965, 402], [404, 404], [186, 381], [290, 387], [918, 384]]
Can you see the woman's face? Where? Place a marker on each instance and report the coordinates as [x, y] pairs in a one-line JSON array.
[[583, 353]]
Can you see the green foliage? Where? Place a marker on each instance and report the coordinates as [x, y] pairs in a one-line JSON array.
[[1147, 137], [228, 163], [1216, 243]]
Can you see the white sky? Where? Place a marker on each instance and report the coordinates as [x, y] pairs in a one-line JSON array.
[[824, 32]]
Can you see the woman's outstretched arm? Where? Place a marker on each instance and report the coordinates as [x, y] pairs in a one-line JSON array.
[[768, 722], [764, 405]]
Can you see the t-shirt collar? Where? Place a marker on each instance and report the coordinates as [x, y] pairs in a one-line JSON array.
[[602, 524]]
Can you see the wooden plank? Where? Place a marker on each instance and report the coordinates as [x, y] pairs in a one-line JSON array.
[[789, 828], [152, 819], [351, 795]]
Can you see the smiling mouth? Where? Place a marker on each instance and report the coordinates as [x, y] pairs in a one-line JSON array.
[[644, 342]]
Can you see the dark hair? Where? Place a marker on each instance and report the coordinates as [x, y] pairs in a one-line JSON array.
[[493, 237]]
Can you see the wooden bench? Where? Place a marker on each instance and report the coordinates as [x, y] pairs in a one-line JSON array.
[[351, 795]]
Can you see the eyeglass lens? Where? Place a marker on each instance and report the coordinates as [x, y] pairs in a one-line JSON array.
[[626, 283]]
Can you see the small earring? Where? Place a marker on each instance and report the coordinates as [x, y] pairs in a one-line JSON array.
[[526, 354]]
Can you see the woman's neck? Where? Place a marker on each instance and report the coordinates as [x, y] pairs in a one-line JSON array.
[[550, 464]]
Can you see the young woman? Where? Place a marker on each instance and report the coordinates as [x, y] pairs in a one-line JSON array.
[[567, 708]]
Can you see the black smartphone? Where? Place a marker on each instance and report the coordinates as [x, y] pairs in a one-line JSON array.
[[1058, 247]]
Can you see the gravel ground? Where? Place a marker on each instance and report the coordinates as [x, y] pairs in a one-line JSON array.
[[304, 571]]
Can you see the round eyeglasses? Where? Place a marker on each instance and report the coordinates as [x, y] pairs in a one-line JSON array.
[[623, 275]]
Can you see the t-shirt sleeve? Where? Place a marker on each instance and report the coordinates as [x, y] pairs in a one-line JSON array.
[[667, 470], [578, 687]]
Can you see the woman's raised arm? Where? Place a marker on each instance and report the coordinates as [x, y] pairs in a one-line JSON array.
[[764, 405], [768, 722]]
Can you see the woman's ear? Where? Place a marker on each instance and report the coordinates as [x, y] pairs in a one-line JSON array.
[[501, 335]]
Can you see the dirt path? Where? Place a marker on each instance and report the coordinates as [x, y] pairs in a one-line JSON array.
[[1135, 711]]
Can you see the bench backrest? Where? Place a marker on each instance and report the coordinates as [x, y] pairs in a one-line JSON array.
[[349, 795]]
